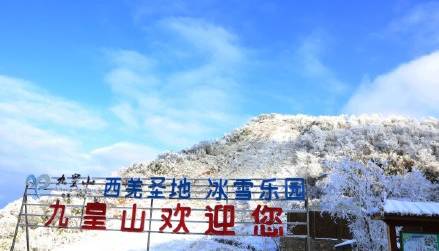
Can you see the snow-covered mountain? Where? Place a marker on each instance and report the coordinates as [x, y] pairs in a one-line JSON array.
[[283, 145], [268, 146]]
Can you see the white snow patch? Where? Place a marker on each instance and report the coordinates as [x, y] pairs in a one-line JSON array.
[[345, 243], [411, 208]]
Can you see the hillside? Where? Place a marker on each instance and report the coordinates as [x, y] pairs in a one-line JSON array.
[[273, 146], [282, 145]]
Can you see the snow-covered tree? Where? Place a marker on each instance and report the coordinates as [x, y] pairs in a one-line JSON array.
[[352, 191], [411, 186], [355, 191]]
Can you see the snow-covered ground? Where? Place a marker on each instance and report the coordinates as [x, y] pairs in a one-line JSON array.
[[116, 241]]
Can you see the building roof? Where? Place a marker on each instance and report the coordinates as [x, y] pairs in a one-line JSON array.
[[398, 207]]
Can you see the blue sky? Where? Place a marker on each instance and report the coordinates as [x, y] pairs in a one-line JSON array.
[[90, 86]]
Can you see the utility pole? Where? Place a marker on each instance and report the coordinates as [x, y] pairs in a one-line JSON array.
[[308, 238], [150, 220], [23, 202], [27, 222]]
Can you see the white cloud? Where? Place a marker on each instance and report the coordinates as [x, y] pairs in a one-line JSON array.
[[39, 134], [214, 40], [131, 59], [182, 101], [122, 154], [126, 114], [22, 100], [410, 89], [26, 148], [309, 60], [419, 26]]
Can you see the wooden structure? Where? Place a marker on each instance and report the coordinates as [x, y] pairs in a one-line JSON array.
[[324, 232], [417, 217], [322, 225]]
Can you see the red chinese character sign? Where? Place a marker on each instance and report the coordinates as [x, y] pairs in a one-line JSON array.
[[132, 227], [62, 223], [268, 221], [126, 204], [181, 212], [95, 216], [221, 220]]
